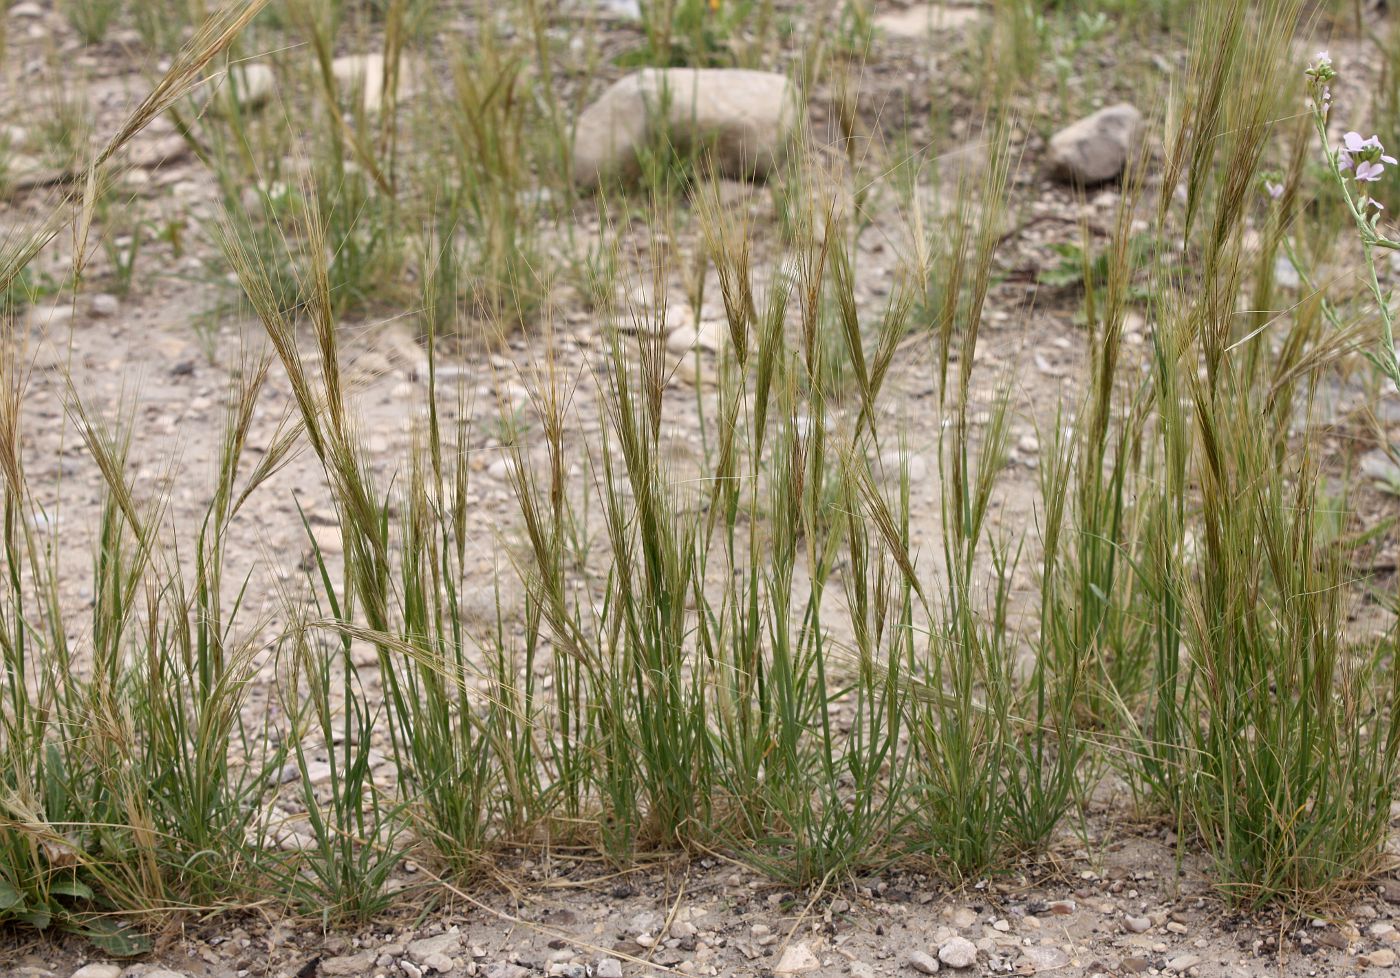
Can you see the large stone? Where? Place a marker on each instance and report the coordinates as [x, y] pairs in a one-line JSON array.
[[1038, 959], [745, 118], [958, 952], [365, 74], [798, 959], [348, 965], [1097, 147], [98, 971], [924, 20], [251, 85], [923, 962]]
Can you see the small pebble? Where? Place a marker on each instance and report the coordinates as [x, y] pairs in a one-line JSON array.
[[923, 962], [1137, 925], [958, 952]]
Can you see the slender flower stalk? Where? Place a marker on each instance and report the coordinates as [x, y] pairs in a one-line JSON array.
[[1365, 160]]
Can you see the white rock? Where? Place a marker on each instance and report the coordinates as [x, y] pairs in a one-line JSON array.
[[747, 118], [104, 304], [27, 8], [253, 84], [421, 950], [1137, 925], [1097, 147], [328, 540], [438, 962], [1285, 274], [1043, 959], [797, 959], [710, 337], [958, 952], [1383, 958], [1182, 962], [98, 971], [923, 962], [608, 968], [619, 9], [924, 20], [365, 73], [51, 316]]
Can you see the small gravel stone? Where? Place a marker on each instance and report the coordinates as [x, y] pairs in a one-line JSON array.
[[1182, 962], [104, 304], [608, 968], [923, 962], [1137, 925], [958, 952]]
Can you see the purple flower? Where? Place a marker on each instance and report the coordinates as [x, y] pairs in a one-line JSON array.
[[1274, 190], [1368, 172]]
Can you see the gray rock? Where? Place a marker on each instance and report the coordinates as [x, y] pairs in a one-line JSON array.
[[923, 962], [1137, 925], [504, 969], [608, 968], [348, 965], [1097, 147], [423, 950], [746, 118], [1182, 962], [958, 952], [1037, 959]]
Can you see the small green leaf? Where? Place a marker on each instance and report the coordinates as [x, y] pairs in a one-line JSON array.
[[71, 888], [38, 919], [10, 898], [115, 938]]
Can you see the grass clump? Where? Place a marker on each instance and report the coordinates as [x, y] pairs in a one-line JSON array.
[[778, 640]]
